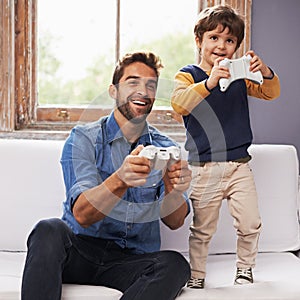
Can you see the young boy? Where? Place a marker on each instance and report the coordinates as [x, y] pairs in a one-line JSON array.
[[218, 136]]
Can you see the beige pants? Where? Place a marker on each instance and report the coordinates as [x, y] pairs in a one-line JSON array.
[[210, 185]]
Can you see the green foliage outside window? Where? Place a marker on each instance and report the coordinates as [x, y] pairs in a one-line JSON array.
[[174, 50]]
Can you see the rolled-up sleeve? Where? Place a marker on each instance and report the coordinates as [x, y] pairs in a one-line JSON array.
[[79, 165]]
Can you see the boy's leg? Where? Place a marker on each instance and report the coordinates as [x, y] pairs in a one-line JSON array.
[[243, 206], [206, 196]]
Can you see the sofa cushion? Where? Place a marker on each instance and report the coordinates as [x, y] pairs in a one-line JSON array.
[[276, 277], [11, 269]]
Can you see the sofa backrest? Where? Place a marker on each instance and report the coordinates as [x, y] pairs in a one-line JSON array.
[[32, 189], [275, 169]]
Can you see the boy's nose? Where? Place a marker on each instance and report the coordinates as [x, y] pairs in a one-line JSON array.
[[221, 44]]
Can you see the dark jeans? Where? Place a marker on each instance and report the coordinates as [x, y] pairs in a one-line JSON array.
[[56, 255]]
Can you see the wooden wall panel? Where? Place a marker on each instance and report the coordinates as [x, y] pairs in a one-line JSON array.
[[24, 62], [7, 108]]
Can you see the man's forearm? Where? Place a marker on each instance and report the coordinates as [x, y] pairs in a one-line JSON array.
[[96, 203], [174, 209]]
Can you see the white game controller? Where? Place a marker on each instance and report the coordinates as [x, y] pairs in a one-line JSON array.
[[239, 69], [161, 156]]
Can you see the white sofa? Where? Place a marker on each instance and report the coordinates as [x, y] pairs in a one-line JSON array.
[[32, 189]]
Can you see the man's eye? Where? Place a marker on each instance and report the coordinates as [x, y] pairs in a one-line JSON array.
[[151, 87], [213, 38], [133, 82]]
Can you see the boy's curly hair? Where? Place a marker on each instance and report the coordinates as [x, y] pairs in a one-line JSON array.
[[211, 17]]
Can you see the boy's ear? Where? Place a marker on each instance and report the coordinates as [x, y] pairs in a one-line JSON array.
[[198, 42], [112, 91]]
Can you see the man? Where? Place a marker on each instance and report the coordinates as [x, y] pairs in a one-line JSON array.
[[109, 233]]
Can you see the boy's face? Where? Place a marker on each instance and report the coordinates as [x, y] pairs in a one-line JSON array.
[[136, 91], [216, 43]]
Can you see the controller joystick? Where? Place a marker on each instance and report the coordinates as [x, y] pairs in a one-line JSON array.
[[239, 69]]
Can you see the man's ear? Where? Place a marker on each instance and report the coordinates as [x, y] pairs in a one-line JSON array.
[[112, 91]]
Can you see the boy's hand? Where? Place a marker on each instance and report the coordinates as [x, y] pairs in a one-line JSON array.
[[256, 64], [217, 72]]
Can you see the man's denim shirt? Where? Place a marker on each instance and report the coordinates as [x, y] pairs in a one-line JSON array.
[[90, 155]]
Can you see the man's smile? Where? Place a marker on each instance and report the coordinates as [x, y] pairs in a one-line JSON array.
[[140, 101]]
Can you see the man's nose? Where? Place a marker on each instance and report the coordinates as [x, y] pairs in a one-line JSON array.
[[142, 90]]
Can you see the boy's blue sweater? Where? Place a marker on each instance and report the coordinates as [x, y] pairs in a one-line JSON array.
[[218, 128]]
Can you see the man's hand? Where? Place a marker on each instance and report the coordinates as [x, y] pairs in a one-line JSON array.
[[174, 208], [135, 169], [178, 177]]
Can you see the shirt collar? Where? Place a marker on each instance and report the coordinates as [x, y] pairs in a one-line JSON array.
[[113, 131]]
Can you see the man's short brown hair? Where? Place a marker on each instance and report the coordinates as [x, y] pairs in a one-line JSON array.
[[148, 58]]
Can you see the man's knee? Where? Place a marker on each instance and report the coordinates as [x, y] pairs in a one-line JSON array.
[[175, 263], [48, 234]]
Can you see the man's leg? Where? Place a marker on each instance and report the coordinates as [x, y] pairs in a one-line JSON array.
[[56, 256], [159, 275], [47, 244]]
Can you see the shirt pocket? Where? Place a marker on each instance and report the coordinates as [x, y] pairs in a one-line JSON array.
[[146, 207]]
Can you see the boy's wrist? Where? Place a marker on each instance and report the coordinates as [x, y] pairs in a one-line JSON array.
[[269, 74], [205, 84]]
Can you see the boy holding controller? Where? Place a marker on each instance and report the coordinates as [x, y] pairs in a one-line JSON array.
[[218, 136]]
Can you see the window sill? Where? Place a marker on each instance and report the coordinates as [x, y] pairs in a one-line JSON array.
[[175, 132], [35, 135]]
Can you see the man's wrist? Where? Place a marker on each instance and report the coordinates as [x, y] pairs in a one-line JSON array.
[[117, 182]]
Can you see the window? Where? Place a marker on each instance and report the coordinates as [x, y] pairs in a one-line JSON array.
[[26, 109]]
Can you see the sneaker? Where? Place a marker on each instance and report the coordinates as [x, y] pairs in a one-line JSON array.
[[243, 276], [196, 283]]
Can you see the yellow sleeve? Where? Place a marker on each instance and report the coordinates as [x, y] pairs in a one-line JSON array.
[[269, 90], [187, 94]]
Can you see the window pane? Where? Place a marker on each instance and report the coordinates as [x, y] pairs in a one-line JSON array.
[[76, 50], [77, 45], [164, 27]]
